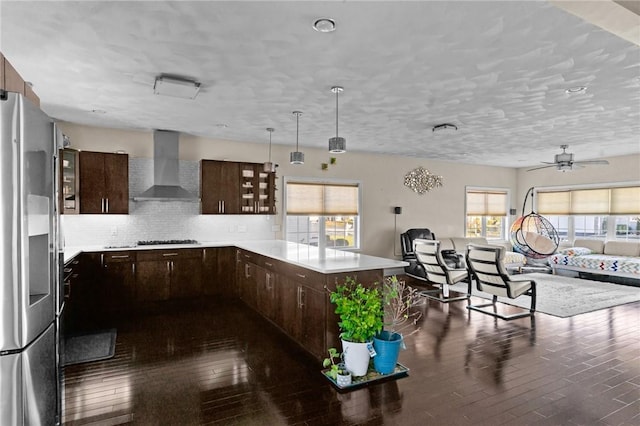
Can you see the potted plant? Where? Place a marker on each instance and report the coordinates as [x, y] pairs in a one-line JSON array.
[[361, 313], [399, 300], [337, 371]]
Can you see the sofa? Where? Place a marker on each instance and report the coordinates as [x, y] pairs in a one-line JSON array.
[[512, 260], [452, 249], [587, 256]]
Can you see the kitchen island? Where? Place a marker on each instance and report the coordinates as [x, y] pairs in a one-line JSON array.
[[287, 283]]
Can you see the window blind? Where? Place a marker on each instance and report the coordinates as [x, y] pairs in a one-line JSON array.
[[321, 199], [486, 203], [600, 201]]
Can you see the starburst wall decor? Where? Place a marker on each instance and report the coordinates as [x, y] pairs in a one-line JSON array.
[[421, 180]]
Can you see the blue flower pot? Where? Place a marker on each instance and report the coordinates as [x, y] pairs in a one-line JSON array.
[[387, 346]]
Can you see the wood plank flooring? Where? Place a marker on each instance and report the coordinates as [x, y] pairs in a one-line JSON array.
[[217, 362]]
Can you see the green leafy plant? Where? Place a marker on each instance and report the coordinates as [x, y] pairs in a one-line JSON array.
[[360, 310], [336, 368], [399, 301]]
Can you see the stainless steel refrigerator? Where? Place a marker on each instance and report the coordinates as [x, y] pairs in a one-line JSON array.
[[28, 265]]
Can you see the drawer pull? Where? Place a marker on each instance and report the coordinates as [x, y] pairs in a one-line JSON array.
[[120, 256], [301, 275], [268, 264], [67, 270], [247, 256], [169, 254]]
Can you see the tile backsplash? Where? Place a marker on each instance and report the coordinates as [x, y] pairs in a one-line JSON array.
[[162, 220]]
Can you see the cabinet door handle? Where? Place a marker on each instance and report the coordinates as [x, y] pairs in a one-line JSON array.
[[302, 297], [120, 256], [222, 206], [247, 256], [133, 268], [298, 297], [301, 276], [107, 204], [268, 264], [169, 254], [168, 266], [102, 260], [268, 276], [204, 255], [247, 273], [101, 205], [219, 206]]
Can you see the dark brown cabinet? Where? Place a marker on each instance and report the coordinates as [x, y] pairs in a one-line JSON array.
[[118, 280], [218, 271], [104, 183], [219, 187], [266, 292], [246, 278], [168, 274], [228, 187]]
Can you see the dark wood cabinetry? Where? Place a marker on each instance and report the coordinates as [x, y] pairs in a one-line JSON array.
[[228, 187], [104, 183], [168, 274], [117, 290], [292, 297], [218, 271], [219, 187]]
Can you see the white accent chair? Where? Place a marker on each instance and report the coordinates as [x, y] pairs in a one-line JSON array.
[[438, 273], [486, 265]]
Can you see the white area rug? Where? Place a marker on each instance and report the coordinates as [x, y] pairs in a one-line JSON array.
[[565, 297]]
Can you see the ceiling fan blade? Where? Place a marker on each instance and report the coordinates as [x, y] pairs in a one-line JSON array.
[[542, 167], [594, 162]]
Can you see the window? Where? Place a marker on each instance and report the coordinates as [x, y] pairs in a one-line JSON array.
[[486, 213], [602, 213], [320, 208]]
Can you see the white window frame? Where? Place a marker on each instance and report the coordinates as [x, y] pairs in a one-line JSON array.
[[321, 224], [571, 232], [505, 225]]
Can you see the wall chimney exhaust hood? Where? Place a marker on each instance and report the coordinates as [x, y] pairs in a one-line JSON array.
[[166, 183]]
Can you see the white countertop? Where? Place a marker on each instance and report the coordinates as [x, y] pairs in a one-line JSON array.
[[333, 261]]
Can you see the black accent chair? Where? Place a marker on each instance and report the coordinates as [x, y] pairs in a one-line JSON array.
[[415, 269]]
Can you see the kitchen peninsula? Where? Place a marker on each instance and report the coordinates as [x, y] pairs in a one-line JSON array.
[[287, 283]]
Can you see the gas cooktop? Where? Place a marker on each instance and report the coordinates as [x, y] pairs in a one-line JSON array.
[[164, 242]]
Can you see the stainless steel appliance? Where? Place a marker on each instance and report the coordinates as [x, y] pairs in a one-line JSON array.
[[28, 265]]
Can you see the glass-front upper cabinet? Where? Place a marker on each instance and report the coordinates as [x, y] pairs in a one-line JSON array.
[[69, 185]]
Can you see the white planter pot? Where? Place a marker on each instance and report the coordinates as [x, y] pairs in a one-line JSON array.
[[356, 357]]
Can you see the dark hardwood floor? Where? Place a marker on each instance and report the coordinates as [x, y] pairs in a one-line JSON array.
[[218, 362]]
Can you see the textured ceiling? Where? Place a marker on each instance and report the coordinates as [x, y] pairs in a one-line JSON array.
[[497, 70]]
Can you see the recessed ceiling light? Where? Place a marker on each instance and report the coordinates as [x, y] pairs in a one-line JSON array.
[[577, 89], [444, 127], [324, 25]]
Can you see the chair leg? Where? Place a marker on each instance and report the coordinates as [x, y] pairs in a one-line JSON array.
[[494, 311], [441, 297]]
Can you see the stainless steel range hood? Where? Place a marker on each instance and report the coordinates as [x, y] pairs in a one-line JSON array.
[[166, 183]]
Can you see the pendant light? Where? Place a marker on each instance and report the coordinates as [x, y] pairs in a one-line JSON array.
[[269, 166], [337, 145], [296, 157]]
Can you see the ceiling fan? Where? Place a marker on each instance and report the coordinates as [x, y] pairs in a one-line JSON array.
[[564, 162]]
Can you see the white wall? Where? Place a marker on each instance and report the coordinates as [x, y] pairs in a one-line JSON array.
[[382, 177]]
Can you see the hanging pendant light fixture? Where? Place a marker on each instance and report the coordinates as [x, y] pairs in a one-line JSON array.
[[269, 167], [337, 145], [296, 157]]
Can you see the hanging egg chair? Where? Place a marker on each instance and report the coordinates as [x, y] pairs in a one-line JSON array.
[[532, 234]]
